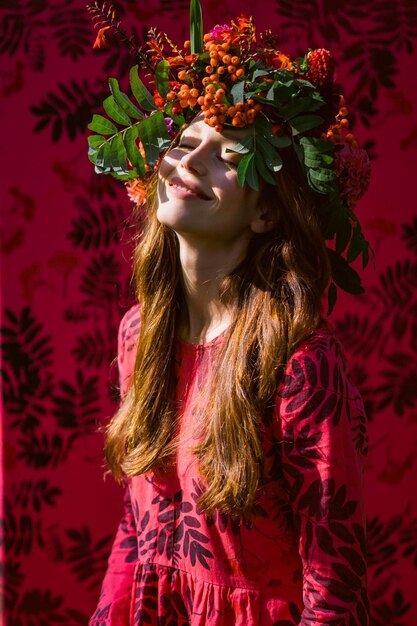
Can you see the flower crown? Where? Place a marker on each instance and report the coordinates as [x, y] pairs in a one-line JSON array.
[[239, 80]]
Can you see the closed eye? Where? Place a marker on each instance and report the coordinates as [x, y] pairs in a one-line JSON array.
[[186, 146], [229, 162]]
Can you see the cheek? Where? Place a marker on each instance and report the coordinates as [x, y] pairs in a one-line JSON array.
[[232, 192], [225, 181], [168, 164]]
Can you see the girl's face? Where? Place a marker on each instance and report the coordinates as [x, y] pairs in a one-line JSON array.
[[198, 191]]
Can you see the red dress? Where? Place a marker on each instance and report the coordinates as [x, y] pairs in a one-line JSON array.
[[300, 561]]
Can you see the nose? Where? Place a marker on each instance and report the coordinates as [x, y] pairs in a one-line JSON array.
[[195, 160]]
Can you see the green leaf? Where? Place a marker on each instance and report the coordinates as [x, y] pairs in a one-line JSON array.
[[263, 126], [259, 72], [130, 175], [344, 275], [162, 78], [343, 236], [115, 112], [284, 92], [132, 151], [100, 124], [271, 157], [314, 161], [357, 244], [264, 129], [301, 104], [95, 141], [92, 155], [245, 146], [154, 135], [141, 93], [327, 158], [331, 298], [178, 118], [334, 213], [246, 171], [301, 123], [280, 141], [253, 89], [102, 162], [237, 91], [318, 185], [302, 82], [252, 176], [271, 92], [118, 156], [323, 175], [315, 144], [123, 101], [284, 76], [263, 170], [196, 27]]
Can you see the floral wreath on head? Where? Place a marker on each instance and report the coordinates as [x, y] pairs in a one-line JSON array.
[[239, 80]]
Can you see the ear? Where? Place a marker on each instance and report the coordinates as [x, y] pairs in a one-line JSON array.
[[264, 221]]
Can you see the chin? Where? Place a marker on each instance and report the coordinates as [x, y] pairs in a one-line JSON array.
[[167, 216]]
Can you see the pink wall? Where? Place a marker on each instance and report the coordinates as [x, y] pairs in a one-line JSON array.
[[65, 284]]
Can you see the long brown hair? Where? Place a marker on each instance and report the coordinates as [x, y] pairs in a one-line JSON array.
[[276, 293]]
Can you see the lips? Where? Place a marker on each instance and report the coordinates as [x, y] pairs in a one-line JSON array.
[[187, 187]]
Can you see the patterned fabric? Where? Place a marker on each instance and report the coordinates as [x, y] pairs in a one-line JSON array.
[[301, 559]]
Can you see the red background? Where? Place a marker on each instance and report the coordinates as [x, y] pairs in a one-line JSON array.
[[65, 248]]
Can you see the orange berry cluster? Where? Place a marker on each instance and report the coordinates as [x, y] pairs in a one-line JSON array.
[[187, 97], [223, 66], [213, 106], [216, 110], [222, 61], [335, 131]]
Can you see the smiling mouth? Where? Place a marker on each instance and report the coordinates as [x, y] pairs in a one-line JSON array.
[[188, 191]]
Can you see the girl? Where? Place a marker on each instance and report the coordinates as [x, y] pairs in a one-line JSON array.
[[240, 436]]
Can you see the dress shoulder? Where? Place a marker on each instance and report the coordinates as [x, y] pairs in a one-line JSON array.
[[318, 361], [317, 393]]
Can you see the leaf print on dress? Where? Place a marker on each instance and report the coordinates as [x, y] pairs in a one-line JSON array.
[[157, 595], [319, 386], [223, 521], [177, 532]]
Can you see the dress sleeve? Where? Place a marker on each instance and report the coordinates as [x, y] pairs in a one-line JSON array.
[[114, 603], [322, 426]]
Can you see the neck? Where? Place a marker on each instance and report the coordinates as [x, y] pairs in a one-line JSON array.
[[203, 270]]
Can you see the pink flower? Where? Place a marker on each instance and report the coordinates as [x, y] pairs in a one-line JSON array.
[[170, 126], [219, 32], [354, 172]]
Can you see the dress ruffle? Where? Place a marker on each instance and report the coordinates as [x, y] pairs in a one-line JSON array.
[[164, 595]]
